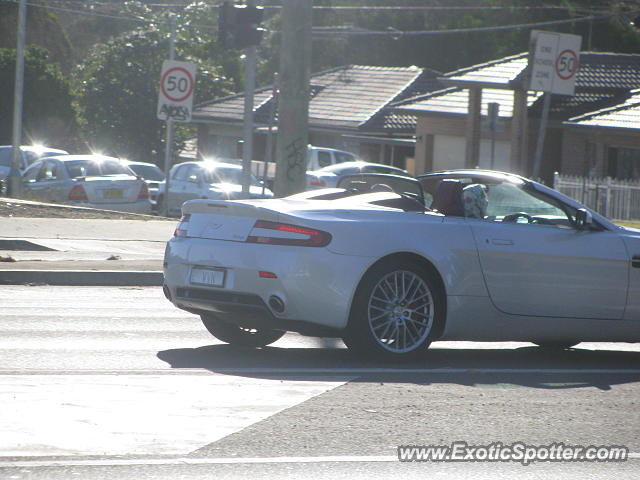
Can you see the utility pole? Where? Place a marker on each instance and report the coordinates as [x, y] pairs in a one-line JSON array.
[[293, 106], [249, 91], [14, 178]]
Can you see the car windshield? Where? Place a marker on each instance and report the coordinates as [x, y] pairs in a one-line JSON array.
[[148, 172], [226, 175], [5, 157], [87, 168]]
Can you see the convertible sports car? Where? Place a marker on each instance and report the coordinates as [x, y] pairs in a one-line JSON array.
[[390, 264]]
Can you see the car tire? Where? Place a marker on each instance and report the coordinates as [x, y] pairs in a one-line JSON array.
[[396, 310], [240, 336], [556, 345]]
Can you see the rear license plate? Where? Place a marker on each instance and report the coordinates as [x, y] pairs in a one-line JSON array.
[[212, 277], [112, 193]]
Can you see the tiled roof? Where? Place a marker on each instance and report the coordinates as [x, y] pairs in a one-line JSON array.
[[625, 115], [608, 70], [497, 72], [352, 97], [603, 80], [456, 101]]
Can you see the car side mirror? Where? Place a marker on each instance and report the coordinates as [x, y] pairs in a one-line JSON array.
[[584, 219]]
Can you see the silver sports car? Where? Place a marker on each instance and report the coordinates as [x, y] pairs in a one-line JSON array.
[[390, 264]]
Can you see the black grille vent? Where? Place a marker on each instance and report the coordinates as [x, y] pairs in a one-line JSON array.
[[226, 297]]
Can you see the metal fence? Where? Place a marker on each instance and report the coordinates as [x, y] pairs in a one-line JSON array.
[[615, 199]]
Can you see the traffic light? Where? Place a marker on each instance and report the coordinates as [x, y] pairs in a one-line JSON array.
[[238, 25]]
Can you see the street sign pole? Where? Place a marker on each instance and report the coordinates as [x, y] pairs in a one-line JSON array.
[[541, 134], [553, 66]]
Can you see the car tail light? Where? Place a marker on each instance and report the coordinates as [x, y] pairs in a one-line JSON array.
[[316, 182], [144, 192], [274, 233], [181, 230], [78, 194]]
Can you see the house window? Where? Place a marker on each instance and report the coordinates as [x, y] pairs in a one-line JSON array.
[[623, 163]]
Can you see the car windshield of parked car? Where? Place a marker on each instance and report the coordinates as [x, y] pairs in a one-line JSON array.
[[148, 172], [344, 157], [226, 175], [88, 168], [5, 157]]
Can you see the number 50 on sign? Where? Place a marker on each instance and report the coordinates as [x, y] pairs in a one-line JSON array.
[[175, 98]]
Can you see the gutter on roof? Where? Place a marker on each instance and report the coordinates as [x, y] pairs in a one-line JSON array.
[[602, 129], [453, 82], [388, 140]]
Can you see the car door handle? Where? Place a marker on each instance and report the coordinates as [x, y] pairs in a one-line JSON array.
[[501, 241], [635, 261]]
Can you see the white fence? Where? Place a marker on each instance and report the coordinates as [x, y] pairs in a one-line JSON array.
[[615, 199]]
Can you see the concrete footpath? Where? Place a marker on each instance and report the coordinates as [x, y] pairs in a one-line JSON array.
[[61, 251]]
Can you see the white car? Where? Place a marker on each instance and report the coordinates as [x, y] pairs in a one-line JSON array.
[[151, 174], [496, 257], [26, 156], [206, 179], [93, 181]]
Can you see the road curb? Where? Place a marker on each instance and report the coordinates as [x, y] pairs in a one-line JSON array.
[[95, 278]]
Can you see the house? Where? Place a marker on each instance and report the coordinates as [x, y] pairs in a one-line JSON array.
[[348, 109], [592, 132]]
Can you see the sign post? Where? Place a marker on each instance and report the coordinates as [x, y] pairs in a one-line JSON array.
[[175, 101], [554, 60]]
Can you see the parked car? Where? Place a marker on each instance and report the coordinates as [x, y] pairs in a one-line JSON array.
[[496, 257], [151, 174], [27, 155], [87, 180], [206, 180], [317, 158], [330, 175]]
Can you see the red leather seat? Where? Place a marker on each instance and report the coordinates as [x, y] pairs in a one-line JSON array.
[[448, 198]]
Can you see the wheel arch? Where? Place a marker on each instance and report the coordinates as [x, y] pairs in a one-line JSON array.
[[422, 262]]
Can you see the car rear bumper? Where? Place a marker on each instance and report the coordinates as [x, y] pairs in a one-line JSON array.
[[311, 286]]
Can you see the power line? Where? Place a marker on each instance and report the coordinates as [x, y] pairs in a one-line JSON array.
[[352, 31], [321, 31]]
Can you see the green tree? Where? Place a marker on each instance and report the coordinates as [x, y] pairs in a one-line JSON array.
[[47, 112], [450, 51], [118, 83]]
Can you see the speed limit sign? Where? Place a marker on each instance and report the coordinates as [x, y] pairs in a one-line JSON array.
[[554, 61], [175, 98]]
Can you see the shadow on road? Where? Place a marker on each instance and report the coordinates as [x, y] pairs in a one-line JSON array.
[[525, 366]]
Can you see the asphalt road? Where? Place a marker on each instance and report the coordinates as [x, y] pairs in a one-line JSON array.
[[102, 382]]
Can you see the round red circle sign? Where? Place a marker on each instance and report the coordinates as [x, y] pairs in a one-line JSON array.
[[177, 84], [567, 64]]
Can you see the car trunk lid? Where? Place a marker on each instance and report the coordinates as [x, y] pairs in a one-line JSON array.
[[112, 189]]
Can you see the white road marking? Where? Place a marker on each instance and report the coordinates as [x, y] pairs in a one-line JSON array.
[[339, 372], [134, 414], [205, 461]]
